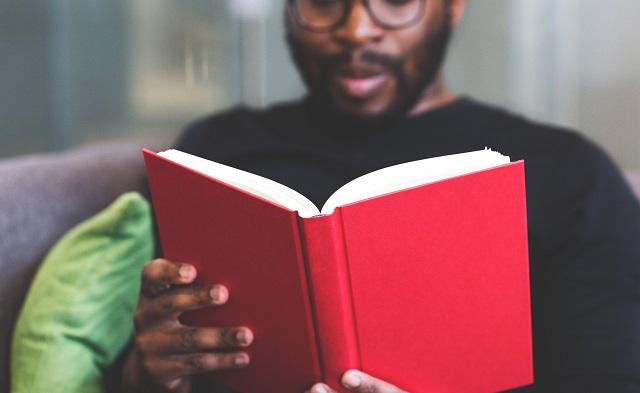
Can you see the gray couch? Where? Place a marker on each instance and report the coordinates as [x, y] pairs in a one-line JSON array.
[[43, 196]]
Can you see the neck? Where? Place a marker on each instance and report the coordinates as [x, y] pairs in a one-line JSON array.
[[435, 96]]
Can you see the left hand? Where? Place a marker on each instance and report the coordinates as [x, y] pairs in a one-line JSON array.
[[358, 382]]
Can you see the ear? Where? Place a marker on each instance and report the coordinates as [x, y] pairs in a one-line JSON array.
[[457, 8]]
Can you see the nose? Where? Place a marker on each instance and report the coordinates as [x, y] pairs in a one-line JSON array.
[[359, 28]]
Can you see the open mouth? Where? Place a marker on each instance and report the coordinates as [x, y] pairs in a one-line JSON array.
[[361, 86]]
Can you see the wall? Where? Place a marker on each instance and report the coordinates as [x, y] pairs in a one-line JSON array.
[[76, 72], [570, 62]]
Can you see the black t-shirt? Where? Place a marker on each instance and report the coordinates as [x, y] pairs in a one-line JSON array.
[[584, 222]]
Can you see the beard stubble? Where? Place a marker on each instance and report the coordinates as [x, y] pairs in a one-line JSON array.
[[429, 56]]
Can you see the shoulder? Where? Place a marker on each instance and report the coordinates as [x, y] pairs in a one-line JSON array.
[[575, 190], [548, 150], [525, 137], [565, 170]]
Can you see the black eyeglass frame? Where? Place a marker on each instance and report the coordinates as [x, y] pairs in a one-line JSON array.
[[294, 12]]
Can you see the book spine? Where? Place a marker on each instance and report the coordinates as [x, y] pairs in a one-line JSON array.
[[330, 292]]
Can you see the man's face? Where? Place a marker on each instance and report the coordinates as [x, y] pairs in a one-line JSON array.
[[367, 72]]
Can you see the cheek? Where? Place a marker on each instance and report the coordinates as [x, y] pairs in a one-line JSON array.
[[314, 43], [412, 43], [414, 55], [412, 66], [311, 46]]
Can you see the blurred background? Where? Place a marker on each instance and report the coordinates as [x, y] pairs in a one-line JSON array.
[[74, 72]]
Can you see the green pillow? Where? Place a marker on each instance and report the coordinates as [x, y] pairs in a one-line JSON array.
[[78, 314]]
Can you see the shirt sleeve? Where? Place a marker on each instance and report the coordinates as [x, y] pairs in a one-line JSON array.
[[586, 281]]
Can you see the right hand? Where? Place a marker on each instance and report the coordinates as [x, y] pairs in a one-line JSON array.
[[166, 353]]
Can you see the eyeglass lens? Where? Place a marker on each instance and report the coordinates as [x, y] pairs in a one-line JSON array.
[[326, 14]]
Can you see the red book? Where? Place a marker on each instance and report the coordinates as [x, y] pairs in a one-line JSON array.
[[416, 274]]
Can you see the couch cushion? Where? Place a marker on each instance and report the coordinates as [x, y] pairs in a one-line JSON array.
[[42, 197], [78, 314]]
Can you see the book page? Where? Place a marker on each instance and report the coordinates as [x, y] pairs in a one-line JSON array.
[[412, 174], [377, 183], [249, 182]]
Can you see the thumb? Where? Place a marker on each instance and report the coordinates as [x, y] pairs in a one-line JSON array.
[[359, 382]]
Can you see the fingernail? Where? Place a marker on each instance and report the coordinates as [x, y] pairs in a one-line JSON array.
[[320, 389], [218, 294], [351, 379], [241, 360], [244, 336], [186, 272]]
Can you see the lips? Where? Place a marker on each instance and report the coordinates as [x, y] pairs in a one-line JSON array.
[[360, 83]]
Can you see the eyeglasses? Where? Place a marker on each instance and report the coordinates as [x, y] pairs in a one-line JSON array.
[[327, 15]]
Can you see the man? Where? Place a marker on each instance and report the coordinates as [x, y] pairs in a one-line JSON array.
[[377, 97]]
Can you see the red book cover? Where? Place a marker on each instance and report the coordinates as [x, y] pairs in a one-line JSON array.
[[427, 287]]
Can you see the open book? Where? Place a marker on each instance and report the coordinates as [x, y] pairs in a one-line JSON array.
[[383, 181], [416, 273]]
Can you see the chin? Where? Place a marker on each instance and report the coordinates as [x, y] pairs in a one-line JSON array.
[[372, 107], [363, 112], [375, 112], [343, 111]]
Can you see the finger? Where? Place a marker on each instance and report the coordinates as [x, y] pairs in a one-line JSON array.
[[159, 274], [189, 340], [179, 366], [360, 382], [184, 299], [320, 388]]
